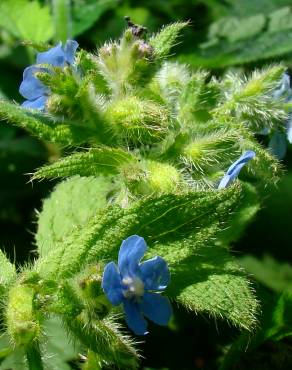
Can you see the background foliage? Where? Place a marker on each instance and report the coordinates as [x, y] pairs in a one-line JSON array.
[[223, 36]]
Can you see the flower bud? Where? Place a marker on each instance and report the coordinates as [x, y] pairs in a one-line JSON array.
[[22, 323], [136, 120], [156, 177]]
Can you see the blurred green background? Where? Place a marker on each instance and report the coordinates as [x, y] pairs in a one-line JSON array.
[[222, 35]]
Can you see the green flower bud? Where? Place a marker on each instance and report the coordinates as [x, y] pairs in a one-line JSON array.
[[21, 319], [135, 120], [155, 177]]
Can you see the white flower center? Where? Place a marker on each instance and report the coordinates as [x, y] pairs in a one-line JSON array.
[[134, 287]]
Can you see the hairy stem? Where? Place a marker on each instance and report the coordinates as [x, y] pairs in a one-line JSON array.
[[34, 358]]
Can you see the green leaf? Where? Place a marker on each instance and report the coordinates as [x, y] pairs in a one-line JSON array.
[[277, 322], [268, 271], [71, 205], [235, 41], [16, 18], [163, 41], [58, 347], [62, 20], [153, 218], [205, 277], [9, 358], [245, 213], [86, 12], [212, 282], [95, 162], [281, 19], [235, 29], [243, 7]]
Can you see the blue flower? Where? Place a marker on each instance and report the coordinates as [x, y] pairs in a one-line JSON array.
[[235, 168], [33, 89], [137, 285]]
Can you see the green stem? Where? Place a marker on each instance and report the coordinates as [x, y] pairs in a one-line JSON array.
[[62, 19], [235, 351], [34, 358], [92, 362]]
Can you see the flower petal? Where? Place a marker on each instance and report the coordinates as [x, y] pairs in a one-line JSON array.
[[134, 318], [111, 284], [155, 273], [130, 254], [54, 56], [283, 87], [31, 88], [235, 168], [157, 308], [278, 145], [70, 49], [289, 130], [38, 103], [242, 160]]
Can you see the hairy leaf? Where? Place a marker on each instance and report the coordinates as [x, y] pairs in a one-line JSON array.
[[212, 282], [44, 128], [71, 205], [153, 218], [248, 207], [95, 162]]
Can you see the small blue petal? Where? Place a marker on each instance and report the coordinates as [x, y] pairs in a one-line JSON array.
[[225, 182], [134, 318], [157, 308], [130, 254], [155, 273], [70, 49], [38, 103], [278, 145], [54, 56], [246, 156], [31, 88], [284, 87], [58, 56], [111, 284], [235, 168], [289, 130]]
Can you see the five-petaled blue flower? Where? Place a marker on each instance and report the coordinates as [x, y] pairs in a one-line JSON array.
[[137, 285], [31, 87], [235, 168]]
